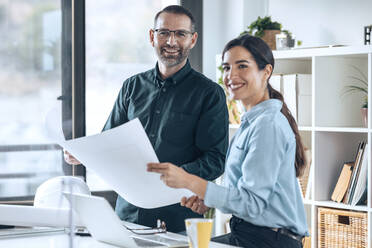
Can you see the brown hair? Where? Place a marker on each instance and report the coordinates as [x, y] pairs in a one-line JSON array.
[[179, 10], [263, 56]]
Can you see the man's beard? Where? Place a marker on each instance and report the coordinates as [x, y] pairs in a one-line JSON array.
[[172, 60]]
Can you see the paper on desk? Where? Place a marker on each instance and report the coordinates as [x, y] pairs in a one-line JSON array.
[[120, 156]]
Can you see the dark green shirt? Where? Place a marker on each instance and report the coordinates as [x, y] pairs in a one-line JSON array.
[[186, 120]]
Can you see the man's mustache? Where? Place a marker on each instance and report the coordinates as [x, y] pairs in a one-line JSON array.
[[170, 47]]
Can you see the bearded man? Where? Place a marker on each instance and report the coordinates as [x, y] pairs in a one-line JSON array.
[[183, 112]]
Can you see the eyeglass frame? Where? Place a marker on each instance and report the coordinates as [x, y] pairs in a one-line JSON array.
[[187, 32], [159, 229]]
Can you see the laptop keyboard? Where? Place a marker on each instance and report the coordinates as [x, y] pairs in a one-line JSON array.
[[145, 243], [156, 240]]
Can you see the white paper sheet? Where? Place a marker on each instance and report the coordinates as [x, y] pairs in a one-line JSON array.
[[120, 156], [35, 216]]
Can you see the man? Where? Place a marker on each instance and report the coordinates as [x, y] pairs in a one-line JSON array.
[[183, 112]]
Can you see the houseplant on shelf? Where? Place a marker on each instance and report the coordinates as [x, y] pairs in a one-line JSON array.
[[232, 105], [360, 85], [266, 29]]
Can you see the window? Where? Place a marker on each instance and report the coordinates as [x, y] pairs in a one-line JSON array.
[[30, 82], [117, 47]]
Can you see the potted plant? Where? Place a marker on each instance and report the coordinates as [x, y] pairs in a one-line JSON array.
[[266, 29], [360, 85], [232, 105]]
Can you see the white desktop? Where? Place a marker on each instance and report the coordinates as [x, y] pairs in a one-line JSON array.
[[49, 221]]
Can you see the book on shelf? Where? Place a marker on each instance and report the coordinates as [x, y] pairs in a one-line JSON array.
[[304, 179], [342, 182], [360, 184], [356, 167]]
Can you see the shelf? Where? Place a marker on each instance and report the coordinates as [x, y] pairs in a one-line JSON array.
[[332, 204], [307, 53], [342, 129], [303, 128]]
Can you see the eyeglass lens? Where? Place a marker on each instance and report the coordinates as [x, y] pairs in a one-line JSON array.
[[178, 34]]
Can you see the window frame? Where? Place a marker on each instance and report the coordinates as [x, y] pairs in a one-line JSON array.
[[73, 85], [73, 70]]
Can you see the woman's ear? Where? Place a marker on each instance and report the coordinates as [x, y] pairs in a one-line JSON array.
[[267, 71]]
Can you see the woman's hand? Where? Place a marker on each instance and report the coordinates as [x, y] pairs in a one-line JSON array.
[[195, 204], [71, 160], [172, 175]]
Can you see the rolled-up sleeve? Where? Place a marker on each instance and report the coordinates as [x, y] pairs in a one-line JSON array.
[[260, 159]]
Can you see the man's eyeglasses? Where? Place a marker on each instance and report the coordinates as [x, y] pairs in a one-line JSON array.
[[161, 228], [178, 34]]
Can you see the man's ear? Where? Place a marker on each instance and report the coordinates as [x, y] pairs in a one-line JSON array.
[[194, 38], [152, 35]]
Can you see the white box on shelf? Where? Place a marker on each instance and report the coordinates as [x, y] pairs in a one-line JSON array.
[[290, 93], [276, 82], [303, 84], [297, 95]]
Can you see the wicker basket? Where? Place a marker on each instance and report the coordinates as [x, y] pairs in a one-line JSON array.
[[340, 228]]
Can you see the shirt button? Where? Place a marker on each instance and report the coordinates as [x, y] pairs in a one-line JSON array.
[[164, 90], [157, 111]]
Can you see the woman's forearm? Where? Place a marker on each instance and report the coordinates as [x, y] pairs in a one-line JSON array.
[[197, 185]]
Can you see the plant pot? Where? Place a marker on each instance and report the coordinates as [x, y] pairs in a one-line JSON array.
[[269, 38], [364, 112]]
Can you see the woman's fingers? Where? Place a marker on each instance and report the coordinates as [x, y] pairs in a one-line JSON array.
[[172, 175], [190, 202], [195, 206]]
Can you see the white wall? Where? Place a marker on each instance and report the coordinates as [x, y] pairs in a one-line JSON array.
[[222, 21], [315, 22], [324, 22]]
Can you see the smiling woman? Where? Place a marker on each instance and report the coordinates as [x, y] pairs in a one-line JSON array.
[[242, 77]]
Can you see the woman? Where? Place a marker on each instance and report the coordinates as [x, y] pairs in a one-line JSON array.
[[263, 160]]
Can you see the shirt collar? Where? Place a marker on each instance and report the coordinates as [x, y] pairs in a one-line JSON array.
[[175, 78], [274, 105]]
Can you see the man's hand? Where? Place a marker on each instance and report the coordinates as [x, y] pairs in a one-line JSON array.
[[69, 158], [172, 175], [195, 204]]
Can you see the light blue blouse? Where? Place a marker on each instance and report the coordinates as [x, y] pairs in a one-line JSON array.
[[260, 184]]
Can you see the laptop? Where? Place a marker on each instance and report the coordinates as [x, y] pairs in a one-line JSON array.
[[105, 226]]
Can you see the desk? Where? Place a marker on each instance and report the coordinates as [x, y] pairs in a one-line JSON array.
[[62, 241]]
